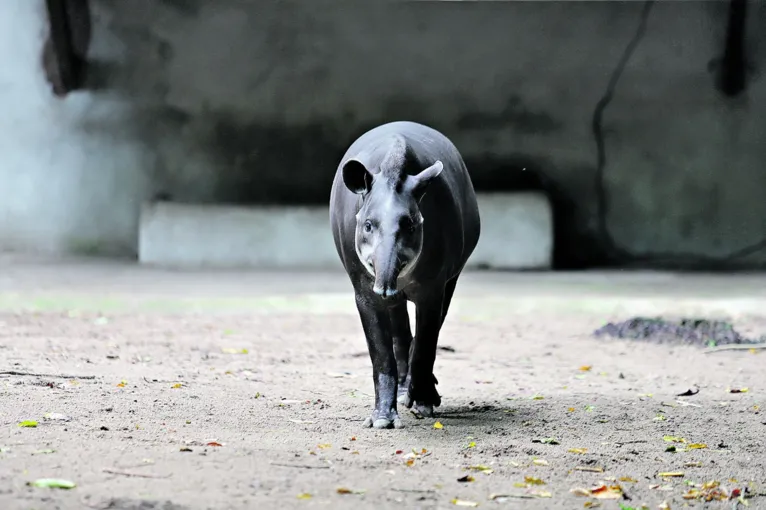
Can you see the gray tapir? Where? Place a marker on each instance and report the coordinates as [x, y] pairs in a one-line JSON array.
[[405, 220]]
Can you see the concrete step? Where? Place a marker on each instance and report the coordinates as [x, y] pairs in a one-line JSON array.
[[517, 233]]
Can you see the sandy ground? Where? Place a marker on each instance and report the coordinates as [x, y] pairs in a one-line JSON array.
[[244, 390]]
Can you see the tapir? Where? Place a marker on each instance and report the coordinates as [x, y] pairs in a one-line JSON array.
[[405, 220]]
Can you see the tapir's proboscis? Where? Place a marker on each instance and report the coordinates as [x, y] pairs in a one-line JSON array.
[[405, 220]]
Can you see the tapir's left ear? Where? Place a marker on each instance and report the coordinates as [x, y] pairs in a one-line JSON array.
[[421, 181]]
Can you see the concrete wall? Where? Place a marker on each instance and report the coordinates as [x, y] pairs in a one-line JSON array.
[[254, 102]]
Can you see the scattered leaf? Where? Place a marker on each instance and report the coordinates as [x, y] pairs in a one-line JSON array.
[[589, 408], [304, 495], [213, 443], [533, 481], [230, 350], [673, 439], [466, 478], [541, 494], [177, 386], [186, 449], [591, 504], [589, 469], [52, 483], [460, 502], [577, 450], [28, 423], [537, 397], [663, 506], [586, 368], [740, 390], [659, 417], [472, 444], [693, 464], [540, 462], [696, 446], [344, 490], [607, 492], [571, 409], [599, 492], [671, 474], [484, 469], [628, 479], [122, 383], [324, 446], [546, 440], [438, 425]]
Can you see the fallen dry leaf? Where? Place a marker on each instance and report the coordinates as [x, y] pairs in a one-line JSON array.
[[177, 386], [484, 469], [586, 368], [696, 446], [628, 479], [600, 492], [589, 469], [344, 490], [213, 443], [229, 350], [304, 495], [577, 450], [540, 462], [671, 474], [738, 390], [673, 439], [466, 478], [533, 481], [324, 446], [438, 425], [664, 506], [460, 502]]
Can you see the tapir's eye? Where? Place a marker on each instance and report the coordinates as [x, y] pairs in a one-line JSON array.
[[368, 226]]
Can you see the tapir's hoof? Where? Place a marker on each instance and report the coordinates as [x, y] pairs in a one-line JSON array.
[[404, 399], [377, 421], [425, 410]]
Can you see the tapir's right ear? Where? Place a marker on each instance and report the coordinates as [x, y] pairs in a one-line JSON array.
[[356, 177]]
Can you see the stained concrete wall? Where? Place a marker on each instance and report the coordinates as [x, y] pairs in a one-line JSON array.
[[254, 102]]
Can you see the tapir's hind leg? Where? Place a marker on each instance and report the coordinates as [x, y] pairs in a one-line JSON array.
[[400, 329], [422, 388]]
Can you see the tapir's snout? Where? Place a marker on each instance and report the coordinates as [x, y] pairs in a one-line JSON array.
[[385, 291], [387, 266]]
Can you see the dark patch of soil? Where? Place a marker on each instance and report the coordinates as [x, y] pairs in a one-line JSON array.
[[701, 332]]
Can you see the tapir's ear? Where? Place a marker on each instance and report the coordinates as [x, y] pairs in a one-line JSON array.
[[356, 177], [421, 181]]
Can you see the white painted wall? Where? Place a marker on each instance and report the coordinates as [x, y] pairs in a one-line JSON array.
[[65, 183], [242, 100]]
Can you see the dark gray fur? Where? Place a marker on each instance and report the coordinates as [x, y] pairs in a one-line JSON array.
[[393, 155]]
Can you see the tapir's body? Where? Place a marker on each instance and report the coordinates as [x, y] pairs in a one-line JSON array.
[[405, 220]]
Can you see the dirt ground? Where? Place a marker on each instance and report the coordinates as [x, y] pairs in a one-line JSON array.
[[226, 390]]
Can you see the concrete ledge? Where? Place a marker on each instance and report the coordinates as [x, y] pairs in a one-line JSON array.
[[517, 233]]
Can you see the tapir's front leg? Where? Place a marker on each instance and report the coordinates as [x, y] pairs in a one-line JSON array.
[[422, 390], [377, 328]]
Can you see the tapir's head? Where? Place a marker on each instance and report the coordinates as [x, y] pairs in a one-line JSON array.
[[389, 226]]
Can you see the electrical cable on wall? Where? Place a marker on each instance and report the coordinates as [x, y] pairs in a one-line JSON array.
[[615, 252]]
